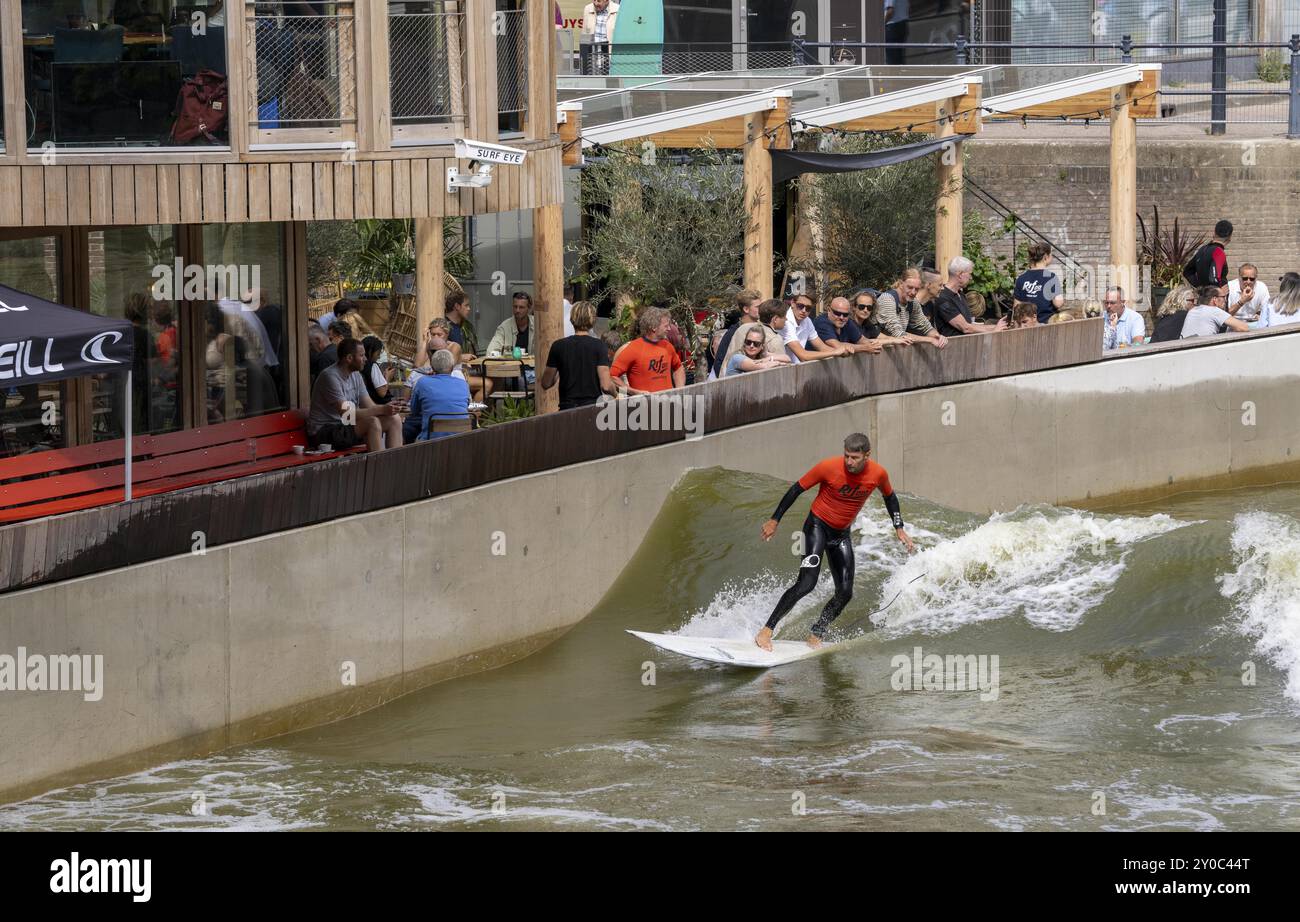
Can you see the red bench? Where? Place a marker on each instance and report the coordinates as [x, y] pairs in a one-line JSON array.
[[54, 482]]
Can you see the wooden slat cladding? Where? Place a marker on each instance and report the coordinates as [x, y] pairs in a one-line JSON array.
[[154, 527], [311, 189]]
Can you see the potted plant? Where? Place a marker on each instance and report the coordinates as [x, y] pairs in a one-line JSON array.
[[1166, 252], [385, 254]]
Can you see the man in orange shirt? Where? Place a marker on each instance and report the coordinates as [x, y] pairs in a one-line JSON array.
[[650, 362], [845, 484]]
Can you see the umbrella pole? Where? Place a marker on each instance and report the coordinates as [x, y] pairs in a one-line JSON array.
[[129, 427]]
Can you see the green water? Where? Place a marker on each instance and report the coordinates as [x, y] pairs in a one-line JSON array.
[[1123, 686]]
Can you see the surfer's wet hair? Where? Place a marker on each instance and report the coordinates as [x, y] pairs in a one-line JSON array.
[[857, 442]]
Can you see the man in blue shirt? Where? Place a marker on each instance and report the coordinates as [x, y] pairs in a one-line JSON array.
[[439, 395], [1123, 326], [836, 328]]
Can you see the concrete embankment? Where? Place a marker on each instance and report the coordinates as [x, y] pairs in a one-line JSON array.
[[258, 638]]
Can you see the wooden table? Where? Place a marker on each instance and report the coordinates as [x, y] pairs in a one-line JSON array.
[[138, 38]]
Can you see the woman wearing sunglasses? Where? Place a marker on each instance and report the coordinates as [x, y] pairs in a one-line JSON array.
[[753, 354]]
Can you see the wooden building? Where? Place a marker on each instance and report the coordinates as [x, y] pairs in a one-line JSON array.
[[209, 133]]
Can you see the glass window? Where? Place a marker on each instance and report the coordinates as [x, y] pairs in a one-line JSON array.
[[425, 61], [512, 65], [306, 66], [31, 415], [126, 73], [246, 340], [131, 278]]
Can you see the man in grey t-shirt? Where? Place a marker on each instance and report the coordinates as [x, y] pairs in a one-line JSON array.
[[1208, 316], [342, 413]]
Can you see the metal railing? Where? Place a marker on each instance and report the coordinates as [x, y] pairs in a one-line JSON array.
[[511, 30], [426, 55], [604, 58], [1220, 78], [304, 64]]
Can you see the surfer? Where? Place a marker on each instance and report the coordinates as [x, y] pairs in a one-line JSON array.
[[845, 485]]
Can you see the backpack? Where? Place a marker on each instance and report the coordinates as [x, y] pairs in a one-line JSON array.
[[201, 108], [1199, 271]]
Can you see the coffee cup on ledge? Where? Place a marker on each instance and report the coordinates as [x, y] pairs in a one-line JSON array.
[[300, 450]]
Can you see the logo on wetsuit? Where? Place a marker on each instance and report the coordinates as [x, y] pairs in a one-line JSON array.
[[812, 560], [850, 490]]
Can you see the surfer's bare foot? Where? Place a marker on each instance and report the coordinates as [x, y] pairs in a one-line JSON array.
[[764, 639], [814, 641]]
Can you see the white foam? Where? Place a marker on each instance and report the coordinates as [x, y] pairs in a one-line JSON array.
[[1266, 587], [1046, 565]]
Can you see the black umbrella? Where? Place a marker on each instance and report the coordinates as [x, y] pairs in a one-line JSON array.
[[43, 341]]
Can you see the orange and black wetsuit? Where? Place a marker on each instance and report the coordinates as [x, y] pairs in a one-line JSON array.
[[826, 532]]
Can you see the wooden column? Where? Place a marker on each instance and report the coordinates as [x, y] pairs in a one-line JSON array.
[[429, 271], [548, 284], [758, 206], [374, 109], [11, 70], [1123, 190], [541, 69], [241, 76], [948, 205], [481, 70]]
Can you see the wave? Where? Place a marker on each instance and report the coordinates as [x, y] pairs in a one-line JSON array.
[[1045, 565], [1266, 589], [1048, 566]]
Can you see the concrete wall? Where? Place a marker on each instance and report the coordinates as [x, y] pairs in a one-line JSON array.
[[249, 640], [1062, 188]]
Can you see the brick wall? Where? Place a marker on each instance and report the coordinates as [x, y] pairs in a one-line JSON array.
[[1062, 188]]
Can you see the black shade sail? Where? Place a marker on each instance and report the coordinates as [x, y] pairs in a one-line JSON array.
[[44, 341], [787, 164]]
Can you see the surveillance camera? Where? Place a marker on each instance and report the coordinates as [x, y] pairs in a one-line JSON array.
[[482, 152], [482, 158]]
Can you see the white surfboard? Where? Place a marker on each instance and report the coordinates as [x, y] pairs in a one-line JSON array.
[[733, 652]]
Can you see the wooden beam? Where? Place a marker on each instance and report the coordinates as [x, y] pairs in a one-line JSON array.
[[948, 205], [548, 285], [429, 269], [1085, 105], [238, 57], [374, 108], [11, 72], [1146, 96], [758, 206], [481, 70], [570, 131], [1123, 190], [541, 69], [967, 110], [727, 133]]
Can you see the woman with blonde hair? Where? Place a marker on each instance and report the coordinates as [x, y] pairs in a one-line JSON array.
[[1285, 307], [1168, 325], [1179, 298]]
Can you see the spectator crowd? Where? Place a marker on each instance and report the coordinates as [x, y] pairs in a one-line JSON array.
[[353, 402]]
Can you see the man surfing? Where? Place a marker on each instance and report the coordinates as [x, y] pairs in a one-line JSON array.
[[845, 485]]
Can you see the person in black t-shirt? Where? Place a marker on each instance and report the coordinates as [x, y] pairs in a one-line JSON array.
[[951, 312], [1039, 287], [580, 363]]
